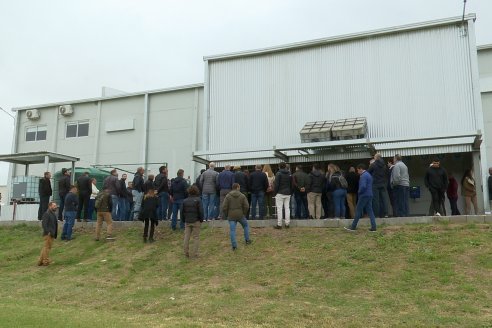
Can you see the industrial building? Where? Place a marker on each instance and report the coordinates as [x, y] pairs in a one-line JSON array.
[[413, 90]]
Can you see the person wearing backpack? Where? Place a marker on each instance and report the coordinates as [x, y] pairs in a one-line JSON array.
[[339, 186], [104, 206], [193, 218]]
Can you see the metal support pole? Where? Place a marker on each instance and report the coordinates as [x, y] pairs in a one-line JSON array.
[[72, 176], [26, 172]]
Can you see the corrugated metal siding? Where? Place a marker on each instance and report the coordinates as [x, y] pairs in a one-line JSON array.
[[426, 150], [407, 84]]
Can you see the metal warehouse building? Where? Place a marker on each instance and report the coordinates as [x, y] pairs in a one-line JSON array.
[[417, 86]]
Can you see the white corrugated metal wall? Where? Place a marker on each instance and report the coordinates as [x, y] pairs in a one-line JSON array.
[[408, 84]]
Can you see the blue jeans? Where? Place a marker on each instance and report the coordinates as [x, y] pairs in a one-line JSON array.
[[232, 229], [137, 203], [301, 204], [114, 210], [69, 217], [258, 198], [339, 196], [364, 204], [90, 211], [379, 204], [177, 206], [62, 206], [208, 205], [123, 208], [401, 193], [163, 205]]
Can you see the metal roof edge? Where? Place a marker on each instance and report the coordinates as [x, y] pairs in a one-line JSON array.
[[132, 94], [484, 47], [341, 38]]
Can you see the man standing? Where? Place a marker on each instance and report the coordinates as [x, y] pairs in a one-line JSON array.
[[301, 181], [208, 183], [235, 210], [162, 188], [50, 231], [379, 174], [71, 205], [84, 186], [364, 203], [258, 185], [123, 203], [111, 183], [178, 194], [225, 179], [283, 189], [138, 191], [353, 188], [104, 206], [63, 189], [315, 188], [400, 181], [489, 185], [436, 180], [45, 193]]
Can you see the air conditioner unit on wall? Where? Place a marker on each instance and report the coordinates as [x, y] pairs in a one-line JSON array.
[[33, 114], [65, 110]]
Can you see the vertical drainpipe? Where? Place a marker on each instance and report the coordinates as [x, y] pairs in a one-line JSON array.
[[479, 158], [95, 159], [145, 131]]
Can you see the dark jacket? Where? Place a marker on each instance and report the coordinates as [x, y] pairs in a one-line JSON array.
[[71, 202], [122, 192], [64, 185], [129, 194], [208, 181], [149, 208], [111, 183], [225, 179], [283, 182], [316, 182], [335, 181], [452, 189], [84, 185], [104, 202], [301, 180], [160, 183], [242, 180], [45, 187], [352, 182], [436, 178], [235, 206], [178, 188], [192, 209], [50, 224], [379, 173], [258, 181], [149, 184], [489, 185], [138, 182]]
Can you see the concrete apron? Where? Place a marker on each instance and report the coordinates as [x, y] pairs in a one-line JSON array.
[[329, 223]]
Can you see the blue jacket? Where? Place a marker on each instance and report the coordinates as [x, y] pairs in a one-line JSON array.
[[178, 188], [225, 180], [365, 185], [71, 202]]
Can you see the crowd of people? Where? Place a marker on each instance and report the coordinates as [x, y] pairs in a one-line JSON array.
[[237, 195]]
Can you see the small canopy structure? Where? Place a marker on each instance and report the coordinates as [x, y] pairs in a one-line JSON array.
[[38, 157]]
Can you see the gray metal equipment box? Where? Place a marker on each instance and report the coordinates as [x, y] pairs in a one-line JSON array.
[[316, 131], [349, 128]]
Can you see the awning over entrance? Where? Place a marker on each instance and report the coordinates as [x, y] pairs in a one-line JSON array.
[[344, 150]]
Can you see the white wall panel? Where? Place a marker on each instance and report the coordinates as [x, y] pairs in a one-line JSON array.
[[408, 84]]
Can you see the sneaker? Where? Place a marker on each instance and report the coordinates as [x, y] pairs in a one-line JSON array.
[[438, 214], [278, 227], [248, 242], [372, 230], [234, 249], [110, 238], [349, 229], [96, 239]]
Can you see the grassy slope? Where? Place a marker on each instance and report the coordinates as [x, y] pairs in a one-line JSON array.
[[414, 276]]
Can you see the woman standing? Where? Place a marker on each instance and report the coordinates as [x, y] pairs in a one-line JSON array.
[[452, 192], [269, 192], [339, 194], [92, 199], [469, 191], [148, 214]]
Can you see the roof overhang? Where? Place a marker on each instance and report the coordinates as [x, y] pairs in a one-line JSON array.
[[37, 158]]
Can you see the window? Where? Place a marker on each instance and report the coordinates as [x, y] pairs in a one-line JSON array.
[[36, 133], [77, 129]]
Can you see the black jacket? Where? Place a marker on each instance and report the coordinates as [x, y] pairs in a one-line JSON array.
[[283, 182], [192, 209], [436, 178], [242, 180], [149, 208], [149, 184], [379, 173], [316, 182], [178, 188], [122, 192], [64, 185], [352, 182], [71, 202], [45, 187], [84, 185], [160, 183], [258, 181], [50, 224], [138, 182]]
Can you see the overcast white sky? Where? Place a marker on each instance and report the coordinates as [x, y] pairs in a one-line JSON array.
[[56, 50]]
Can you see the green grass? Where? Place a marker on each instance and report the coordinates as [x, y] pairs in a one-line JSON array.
[[411, 276]]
